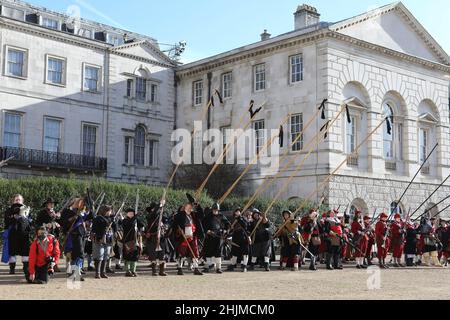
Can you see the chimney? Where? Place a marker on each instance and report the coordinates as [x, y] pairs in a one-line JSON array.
[[306, 16], [265, 35]]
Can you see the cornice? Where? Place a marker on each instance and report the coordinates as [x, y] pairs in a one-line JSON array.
[[147, 44]]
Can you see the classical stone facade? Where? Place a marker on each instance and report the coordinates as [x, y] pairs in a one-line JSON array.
[[81, 98], [380, 64]]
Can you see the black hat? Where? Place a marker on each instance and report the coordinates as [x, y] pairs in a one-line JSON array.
[[152, 207], [130, 210], [191, 199], [49, 200]]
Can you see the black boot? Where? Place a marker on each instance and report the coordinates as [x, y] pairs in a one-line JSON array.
[[103, 270], [337, 261], [231, 267], [180, 272], [12, 268], [267, 266], [97, 269], [26, 272], [154, 272], [162, 270], [197, 272], [312, 265], [328, 262]]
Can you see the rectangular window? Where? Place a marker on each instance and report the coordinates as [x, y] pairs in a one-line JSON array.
[[227, 82], [127, 150], [85, 33], [259, 76], [296, 67], [12, 130], [139, 147], [351, 136], [56, 70], [296, 129], [198, 92], [141, 89], [89, 140], [129, 88], [52, 135], [91, 78], [16, 62], [388, 143], [154, 93], [225, 136], [259, 127], [50, 23], [400, 141], [423, 145], [153, 153]]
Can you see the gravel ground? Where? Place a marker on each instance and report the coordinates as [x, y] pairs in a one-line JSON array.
[[349, 284]]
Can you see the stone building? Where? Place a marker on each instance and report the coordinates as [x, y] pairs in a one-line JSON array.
[[380, 63], [82, 98]]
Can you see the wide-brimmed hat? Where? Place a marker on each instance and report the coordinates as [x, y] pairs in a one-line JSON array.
[[50, 200]]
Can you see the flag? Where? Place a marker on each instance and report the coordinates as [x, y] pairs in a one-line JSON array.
[[281, 137], [322, 107], [211, 101], [253, 113], [347, 111], [219, 96], [325, 127]]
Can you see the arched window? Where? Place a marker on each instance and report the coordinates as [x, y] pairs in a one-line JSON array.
[[388, 135], [139, 146]]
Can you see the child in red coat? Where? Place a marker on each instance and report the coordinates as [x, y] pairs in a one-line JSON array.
[[44, 255]]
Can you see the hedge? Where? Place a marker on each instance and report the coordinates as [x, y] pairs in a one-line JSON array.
[[37, 190]]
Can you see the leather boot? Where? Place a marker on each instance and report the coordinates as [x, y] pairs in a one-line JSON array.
[[103, 270], [328, 261], [312, 265], [337, 261], [197, 272], [154, 272], [162, 270], [26, 272], [12, 268], [97, 269]]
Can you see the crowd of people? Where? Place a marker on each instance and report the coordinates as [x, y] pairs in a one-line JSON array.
[[103, 240]]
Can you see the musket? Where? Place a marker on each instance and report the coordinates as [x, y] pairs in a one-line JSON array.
[[158, 237], [100, 204], [188, 244], [119, 211]]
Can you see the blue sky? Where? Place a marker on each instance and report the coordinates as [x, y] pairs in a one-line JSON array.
[[213, 26]]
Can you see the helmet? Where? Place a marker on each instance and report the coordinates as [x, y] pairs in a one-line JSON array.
[[215, 206]]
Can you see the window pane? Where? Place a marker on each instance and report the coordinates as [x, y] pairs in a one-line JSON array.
[[198, 93], [12, 133], [227, 79], [139, 147], [260, 77], [91, 75], [141, 89], [50, 23], [89, 140], [16, 62], [55, 70], [296, 129], [153, 95], [296, 68], [260, 135], [52, 135], [153, 158], [351, 136], [129, 87]]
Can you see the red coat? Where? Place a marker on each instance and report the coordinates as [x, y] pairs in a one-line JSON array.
[[396, 233], [38, 257]]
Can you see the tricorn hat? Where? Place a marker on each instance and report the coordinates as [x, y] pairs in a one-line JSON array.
[[49, 200]]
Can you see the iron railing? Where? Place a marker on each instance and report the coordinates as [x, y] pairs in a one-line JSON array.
[[30, 157]]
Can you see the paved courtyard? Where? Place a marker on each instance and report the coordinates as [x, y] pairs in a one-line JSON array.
[[349, 284]]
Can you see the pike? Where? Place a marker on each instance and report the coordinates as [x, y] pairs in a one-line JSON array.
[[448, 207], [119, 211], [418, 208], [429, 209], [158, 237], [100, 204], [411, 182]]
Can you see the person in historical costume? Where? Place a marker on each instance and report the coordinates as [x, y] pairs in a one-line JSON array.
[[261, 240], [333, 237], [397, 240], [44, 256], [188, 229], [382, 240], [19, 238], [102, 239], [215, 226], [443, 234], [360, 239], [157, 238], [311, 236], [88, 248], [412, 236], [430, 241], [290, 239], [240, 237], [323, 244], [132, 242], [73, 226], [9, 222], [370, 232], [118, 244]]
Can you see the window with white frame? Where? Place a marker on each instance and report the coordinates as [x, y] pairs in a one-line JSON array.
[[85, 33], [139, 146], [153, 93], [129, 88], [198, 92], [153, 153], [296, 130], [12, 130], [423, 144], [296, 68], [91, 78], [259, 77], [259, 127], [56, 70], [16, 62], [388, 139], [52, 135], [50, 23], [351, 135], [227, 82], [141, 89], [89, 140]]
